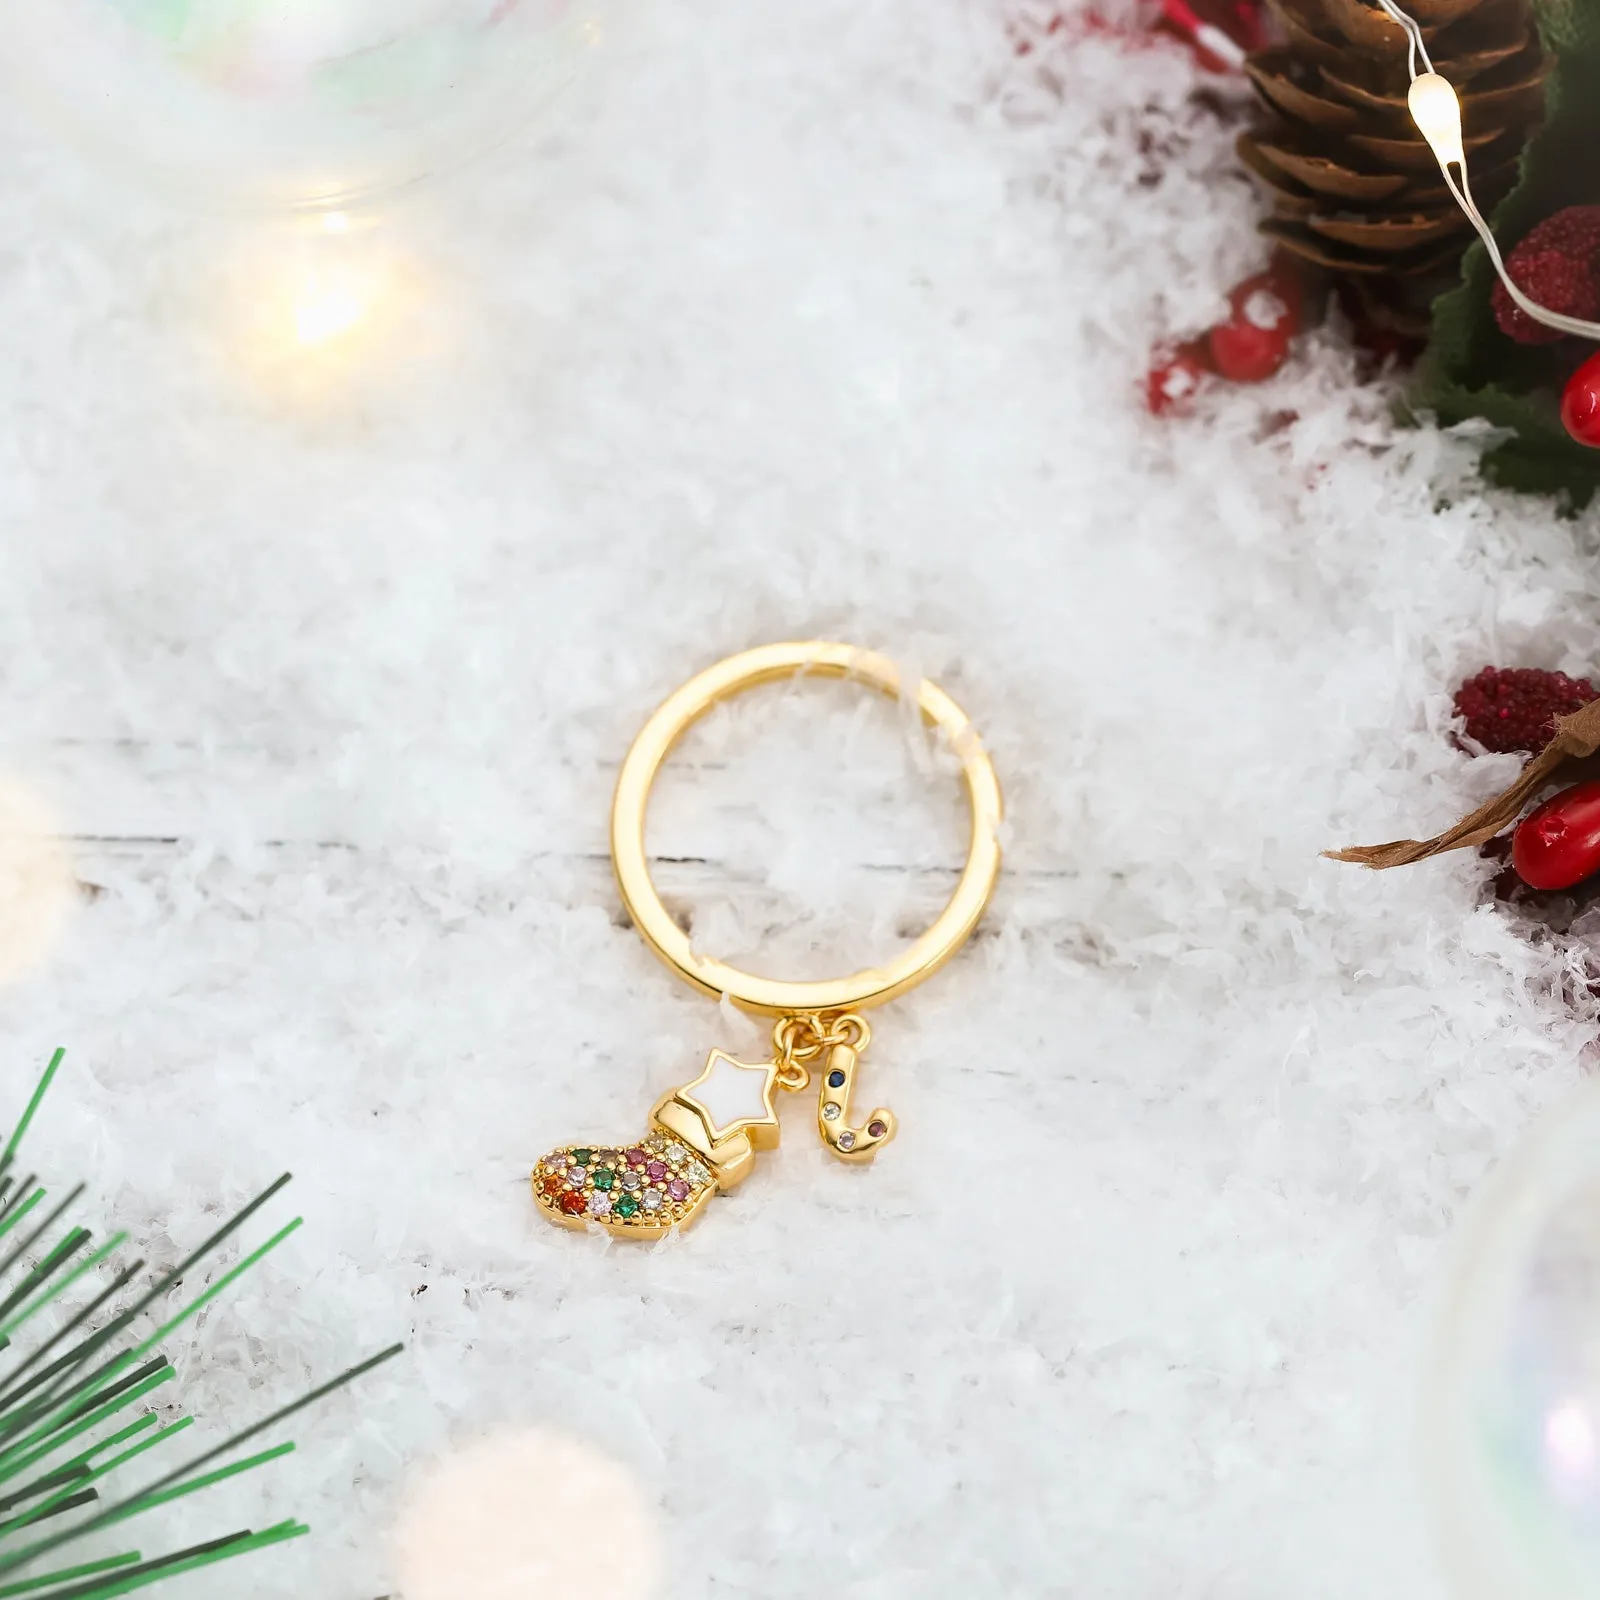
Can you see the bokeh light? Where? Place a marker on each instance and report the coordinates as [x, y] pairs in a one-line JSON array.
[[38, 888], [522, 1514]]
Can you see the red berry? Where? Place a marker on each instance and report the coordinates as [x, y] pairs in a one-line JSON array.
[[1558, 845], [1254, 342], [1175, 378], [1580, 403], [1515, 708], [1558, 265]]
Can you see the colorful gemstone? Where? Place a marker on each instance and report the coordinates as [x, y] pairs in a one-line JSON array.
[[678, 1189], [604, 1178], [551, 1184], [836, 1079], [576, 1176], [656, 1171], [626, 1206], [877, 1129], [652, 1199], [556, 1162], [572, 1202], [582, 1158], [636, 1157], [599, 1204], [847, 1140]]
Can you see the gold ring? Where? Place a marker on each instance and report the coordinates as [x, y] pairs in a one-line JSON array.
[[770, 996]]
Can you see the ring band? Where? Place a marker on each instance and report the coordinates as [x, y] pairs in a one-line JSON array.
[[769, 996]]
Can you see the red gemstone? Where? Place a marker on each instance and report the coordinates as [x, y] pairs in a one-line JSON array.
[[877, 1129], [572, 1202], [636, 1157], [1558, 844]]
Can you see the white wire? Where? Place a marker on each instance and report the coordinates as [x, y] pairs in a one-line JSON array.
[[1418, 46], [1463, 197]]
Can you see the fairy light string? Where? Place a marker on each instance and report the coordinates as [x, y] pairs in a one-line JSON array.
[[1436, 109]]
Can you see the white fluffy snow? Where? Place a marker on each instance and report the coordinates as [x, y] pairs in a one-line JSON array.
[[824, 319]]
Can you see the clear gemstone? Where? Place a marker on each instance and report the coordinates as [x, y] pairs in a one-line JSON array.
[[630, 1180], [830, 1112], [676, 1153], [652, 1199], [576, 1176], [599, 1204], [847, 1140], [698, 1173]]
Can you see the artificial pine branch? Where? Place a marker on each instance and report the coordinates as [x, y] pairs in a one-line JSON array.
[[64, 1428]]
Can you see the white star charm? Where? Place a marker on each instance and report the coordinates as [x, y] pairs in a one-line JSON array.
[[732, 1094]]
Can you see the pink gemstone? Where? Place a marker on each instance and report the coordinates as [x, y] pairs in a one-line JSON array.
[[599, 1204], [556, 1162], [678, 1189], [877, 1129], [636, 1157], [656, 1171]]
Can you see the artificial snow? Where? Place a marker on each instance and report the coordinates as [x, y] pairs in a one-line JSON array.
[[823, 320]]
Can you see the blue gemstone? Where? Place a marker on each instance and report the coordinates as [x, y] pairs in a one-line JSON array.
[[836, 1080]]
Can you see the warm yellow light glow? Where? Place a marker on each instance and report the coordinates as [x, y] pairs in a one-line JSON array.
[[329, 303], [1436, 110]]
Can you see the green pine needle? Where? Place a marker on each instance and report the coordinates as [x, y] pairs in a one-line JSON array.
[[62, 1433], [89, 1569], [33, 1105]]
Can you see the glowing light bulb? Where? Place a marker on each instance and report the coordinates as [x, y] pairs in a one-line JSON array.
[[1436, 110]]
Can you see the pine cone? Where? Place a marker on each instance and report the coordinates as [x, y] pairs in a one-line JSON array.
[[1355, 187]]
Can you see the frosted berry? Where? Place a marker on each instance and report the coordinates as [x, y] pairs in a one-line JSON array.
[[1175, 378], [1558, 844], [1515, 708], [1580, 403], [1558, 265], [1254, 341]]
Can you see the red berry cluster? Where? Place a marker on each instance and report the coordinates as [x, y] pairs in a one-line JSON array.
[[1515, 708], [1557, 265], [1247, 346]]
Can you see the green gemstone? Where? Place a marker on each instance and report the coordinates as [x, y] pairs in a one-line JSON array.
[[626, 1206], [604, 1178], [583, 1157]]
